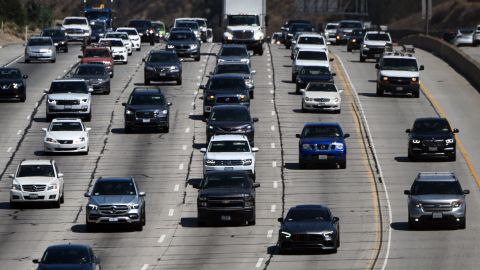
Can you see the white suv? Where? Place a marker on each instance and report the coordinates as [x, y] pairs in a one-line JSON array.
[[229, 153], [309, 57], [374, 44], [37, 181], [77, 28]]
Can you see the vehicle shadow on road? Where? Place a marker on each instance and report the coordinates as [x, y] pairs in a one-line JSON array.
[[155, 83], [405, 159], [296, 166], [294, 93], [196, 117], [386, 96], [82, 228], [28, 205], [402, 159], [287, 66], [199, 146], [440, 226], [285, 81]]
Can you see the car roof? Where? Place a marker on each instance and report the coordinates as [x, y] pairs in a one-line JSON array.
[[92, 64], [36, 162], [323, 124], [226, 172], [310, 206], [146, 91], [229, 137], [163, 52], [399, 55], [120, 179], [40, 37], [227, 76], [430, 119], [355, 21], [234, 46], [125, 28], [67, 120], [69, 245], [309, 34], [436, 177]]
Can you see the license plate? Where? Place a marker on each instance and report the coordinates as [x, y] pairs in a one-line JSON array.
[[146, 120], [68, 107], [432, 149], [399, 88], [163, 73], [112, 219], [437, 215], [33, 196], [226, 218], [322, 157], [228, 168], [377, 55]]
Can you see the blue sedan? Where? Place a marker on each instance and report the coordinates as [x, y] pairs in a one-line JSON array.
[[322, 143]]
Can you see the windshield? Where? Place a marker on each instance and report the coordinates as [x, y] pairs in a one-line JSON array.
[[466, 31], [36, 170], [312, 55], [98, 27], [382, 37], [321, 87], [358, 33], [181, 36], [234, 20], [315, 71], [225, 181], [227, 83], [66, 126], [349, 25], [97, 53], [114, 187], [311, 40], [131, 32], [159, 26], [69, 87], [424, 188], [53, 33], [399, 64], [147, 100], [74, 21], [301, 28], [201, 23], [191, 25], [226, 51], [162, 57], [140, 24], [10, 73], [112, 43], [439, 125], [93, 15], [117, 35], [40, 42], [95, 70], [229, 146], [322, 132], [66, 255], [243, 69], [331, 26], [308, 215], [230, 115]]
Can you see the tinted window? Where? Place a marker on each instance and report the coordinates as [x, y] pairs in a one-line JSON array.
[[117, 35], [229, 146], [350, 25], [74, 21], [331, 26], [439, 125], [322, 131], [40, 42], [93, 15], [315, 71], [115, 187], [466, 31], [131, 32], [97, 53], [243, 20], [229, 51], [147, 100], [69, 87], [225, 181], [423, 188], [312, 55], [321, 87], [98, 27], [91, 70], [36, 170], [358, 33], [66, 255], [311, 40], [233, 69], [230, 115], [202, 23], [301, 28], [162, 57], [227, 83], [308, 215], [10, 74], [181, 36], [66, 126], [113, 43], [192, 25], [382, 37]]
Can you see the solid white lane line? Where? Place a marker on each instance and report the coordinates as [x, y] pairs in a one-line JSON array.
[[275, 184], [161, 239], [180, 167], [271, 101], [199, 77], [145, 267], [200, 70], [270, 83], [272, 145], [274, 164], [176, 188], [268, 64], [272, 128], [195, 93], [187, 130], [273, 208], [14, 61], [259, 263], [9, 149], [170, 212], [269, 233], [184, 147], [269, 76]]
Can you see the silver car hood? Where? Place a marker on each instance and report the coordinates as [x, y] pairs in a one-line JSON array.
[[113, 199]]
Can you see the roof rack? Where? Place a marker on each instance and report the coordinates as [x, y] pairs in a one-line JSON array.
[[406, 50]]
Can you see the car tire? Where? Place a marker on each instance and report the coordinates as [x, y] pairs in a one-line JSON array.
[[250, 93], [86, 152], [88, 118], [297, 89], [293, 77], [349, 49], [254, 177], [49, 118], [111, 75], [453, 157], [144, 217], [147, 82], [412, 225], [167, 128], [13, 205], [197, 58], [56, 204], [139, 49], [416, 94], [206, 115], [22, 99], [462, 225], [252, 222], [287, 47], [302, 164], [260, 51], [303, 108], [201, 223], [338, 111], [179, 81], [127, 130], [379, 92], [362, 59], [343, 164], [62, 198], [412, 157], [53, 61], [65, 50], [27, 61]]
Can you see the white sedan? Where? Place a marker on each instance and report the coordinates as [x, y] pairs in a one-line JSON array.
[[66, 135], [321, 96], [133, 35]]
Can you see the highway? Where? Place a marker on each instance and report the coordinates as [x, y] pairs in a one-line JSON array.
[[164, 164]]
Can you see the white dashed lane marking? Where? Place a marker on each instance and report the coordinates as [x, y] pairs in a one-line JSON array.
[[259, 263], [275, 184], [273, 208], [170, 212], [269, 233], [161, 239], [176, 188]]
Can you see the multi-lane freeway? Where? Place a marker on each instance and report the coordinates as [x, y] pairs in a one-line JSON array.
[[367, 196]]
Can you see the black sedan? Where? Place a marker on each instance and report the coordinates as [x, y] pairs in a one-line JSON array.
[[12, 84], [162, 65], [185, 44], [231, 119], [355, 39], [59, 38], [68, 256], [95, 75], [312, 74], [309, 227]]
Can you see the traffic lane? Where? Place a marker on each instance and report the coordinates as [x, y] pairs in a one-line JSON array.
[[349, 193], [49, 226], [473, 52], [10, 53], [388, 117]]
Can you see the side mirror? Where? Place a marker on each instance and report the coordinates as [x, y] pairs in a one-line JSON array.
[[90, 90], [203, 150], [331, 59], [11, 176], [80, 56], [422, 67], [44, 129], [334, 74], [45, 91], [407, 130], [210, 73], [169, 104], [406, 192], [202, 87], [60, 175], [280, 220], [255, 119], [335, 219], [297, 135], [255, 149], [196, 185], [302, 90], [143, 59], [86, 195], [455, 130], [88, 128], [141, 194], [346, 135], [377, 66], [200, 97], [35, 261], [253, 72], [124, 104], [256, 185], [25, 76], [466, 191]]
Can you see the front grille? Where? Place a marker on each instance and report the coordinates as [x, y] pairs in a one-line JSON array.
[[225, 202], [162, 70], [227, 100], [182, 47], [68, 102], [113, 209], [146, 114], [228, 163], [33, 188], [74, 31], [65, 141], [34, 198], [376, 50], [307, 237], [5, 86], [243, 34], [233, 129], [433, 143], [321, 99], [434, 207], [400, 81], [322, 146]]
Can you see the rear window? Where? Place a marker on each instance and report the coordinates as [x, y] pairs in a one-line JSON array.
[[40, 42], [312, 55], [95, 70]]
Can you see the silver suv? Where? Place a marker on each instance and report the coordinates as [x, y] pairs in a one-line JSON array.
[[69, 97], [115, 200], [436, 197]]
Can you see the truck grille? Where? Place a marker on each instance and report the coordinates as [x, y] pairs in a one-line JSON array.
[[146, 114], [400, 81], [33, 188], [113, 209], [435, 207], [225, 202], [68, 102], [227, 100], [243, 34], [228, 163]]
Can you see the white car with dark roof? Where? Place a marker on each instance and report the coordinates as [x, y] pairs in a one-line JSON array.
[[66, 135]]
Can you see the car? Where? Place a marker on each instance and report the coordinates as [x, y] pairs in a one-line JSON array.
[[330, 32], [344, 28], [191, 24], [13, 85], [162, 65], [124, 37], [229, 153], [476, 36], [355, 39], [231, 119], [160, 30], [99, 29], [309, 57], [226, 196], [98, 54], [144, 28], [68, 256], [233, 53], [398, 73], [133, 36], [373, 45], [66, 135], [308, 40], [276, 38], [185, 44], [297, 27], [309, 227], [286, 27], [96, 76], [436, 197], [58, 37], [202, 26], [224, 89], [309, 74], [40, 49], [464, 37], [69, 97], [321, 96], [77, 29], [115, 200], [238, 68], [431, 137], [37, 181], [322, 143], [118, 48], [147, 108]]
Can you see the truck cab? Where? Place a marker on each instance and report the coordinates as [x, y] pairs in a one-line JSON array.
[[100, 13]]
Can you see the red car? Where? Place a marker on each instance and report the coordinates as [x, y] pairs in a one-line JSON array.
[[98, 55]]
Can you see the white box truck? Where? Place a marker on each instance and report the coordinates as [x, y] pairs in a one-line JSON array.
[[244, 23]]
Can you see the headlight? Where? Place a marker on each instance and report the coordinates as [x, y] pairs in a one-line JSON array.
[[128, 112], [221, 60], [354, 40], [50, 100], [16, 186], [164, 112], [247, 162], [100, 34], [336, 100], [449, 141], [306, 147], [82, 139], [52, 140], [415, 141], [193, 46], [52, 187], [286, 234], [92, 207], [210, 162], [385, 78], [364, 46], [414, 79], [308, 99], [16, 85], [228, 35], [84, 100], [134, 206], [173, 68], [338, 146], [243, 98], [210, 127], [245, 60], [249, 202], [211, 97], [457, 204], [202, 198], [418, 205], [169, 46], [328, 234]]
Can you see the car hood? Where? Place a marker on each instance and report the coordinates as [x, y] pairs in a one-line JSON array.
[[35, 180], [330, 95], [244, 27], [310, 46], [65, 135], [65, 267], [322, 140], [68, 96], [76, 26], [438, 198], [432, 135], [229, 155], [307, 226], [304, 62], [399, 73], [230, 124], [146, 107], [113, 199], [308, 78], [96, 59], [224, 192], [377, 43]]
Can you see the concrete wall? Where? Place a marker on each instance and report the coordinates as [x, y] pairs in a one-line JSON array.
[[460, 61]]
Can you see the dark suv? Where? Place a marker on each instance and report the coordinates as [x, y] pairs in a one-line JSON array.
[[185, 44], [13, 84], [231, 119], [238, 68], [224, 89], [58, 36], [431, 137], [144, 28], [68, 256], [147, 108], [163, 66], [226, 197], [95, 75], [309, 74]]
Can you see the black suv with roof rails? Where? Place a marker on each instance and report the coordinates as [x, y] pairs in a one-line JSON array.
[[147, 108], [231, 119], [58, 36], [185, 44], [163, 66]]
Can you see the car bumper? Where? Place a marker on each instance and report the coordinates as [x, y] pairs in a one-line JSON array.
[[40, 56], [120, 58], [146, 122], [225, 214], [41, 196], [249, 169], [419, 214], [399, 88], [79, 37], [287, 244], [250, 43], [162, 76], [73, 110], [128, 218], [434, 151], [65, 148], [12, 94], [321, 106], [322, 156]]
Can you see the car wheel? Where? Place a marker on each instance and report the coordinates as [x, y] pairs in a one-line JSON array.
[[127, 130], [453, 157], [303, 108], [412, 224], [49, 118], [111, 75], [86, 152], [302, 164], [411, 156], [343, 164], [13, 205], [416, 94], [254, 177], [139, 49], [65, 50], [53, 61], [147, 82], [167, 128], [56, 204], [349, 49], [379, 92], [462, 224], [287, 47], [293, 77], [27, 61], [252, 222], [260, 52], [297, 90], [22, 99], [338, 111], [362, 59], [201, 223], [179, 81], [250, 94], [88, 118], [197, 58], [205, 115], [144, 217]]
